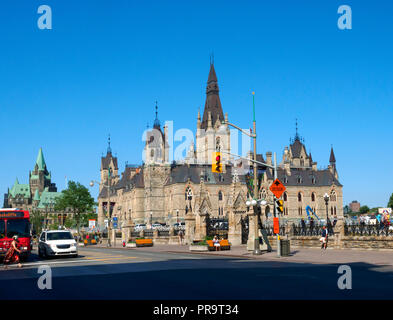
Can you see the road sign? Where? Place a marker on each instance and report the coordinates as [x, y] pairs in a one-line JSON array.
[[276, 226], [277, 188]]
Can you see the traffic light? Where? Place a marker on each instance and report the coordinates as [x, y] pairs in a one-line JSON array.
[[280, 206], [216, 162]]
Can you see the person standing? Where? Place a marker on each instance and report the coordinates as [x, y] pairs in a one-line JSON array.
[[303, 224], [181, 236], [12, 254], [324, 238]]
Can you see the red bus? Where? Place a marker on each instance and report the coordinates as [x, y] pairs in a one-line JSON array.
[[13, 222]]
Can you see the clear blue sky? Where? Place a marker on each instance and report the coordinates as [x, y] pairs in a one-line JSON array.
[[104, 63]]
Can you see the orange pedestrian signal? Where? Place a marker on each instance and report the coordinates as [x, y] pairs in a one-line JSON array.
[[216, 162]]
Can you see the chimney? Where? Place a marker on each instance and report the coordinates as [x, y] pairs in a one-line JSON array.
[[269, 158]]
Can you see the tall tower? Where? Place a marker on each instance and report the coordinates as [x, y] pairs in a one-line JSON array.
[[211, 134], [40, 177], [157, 147], [108, 164]]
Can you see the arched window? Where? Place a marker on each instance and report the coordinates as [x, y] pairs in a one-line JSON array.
[[285, 196], [218, 144], [299, 179], [219, 196], [313, 180], [300, 211], [299, 197], [333, 196], [331, 210], [263, 194], [335, 211], [188, 194], [313, 197], [152, 153]]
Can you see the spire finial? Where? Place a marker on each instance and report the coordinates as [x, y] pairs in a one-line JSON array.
[[156, 121], [109, 144], [211, 58], [297, 133]]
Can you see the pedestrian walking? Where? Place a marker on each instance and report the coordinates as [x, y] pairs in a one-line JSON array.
[[12, 254], [324, 238], [181, 236]]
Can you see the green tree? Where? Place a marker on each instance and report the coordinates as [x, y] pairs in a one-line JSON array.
[[364, 209], [77, 198], [390, 203], [36, 219]]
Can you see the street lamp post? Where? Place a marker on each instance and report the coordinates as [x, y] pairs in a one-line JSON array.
[[177, 216], [326, 198], [108, 206], [254, 202]]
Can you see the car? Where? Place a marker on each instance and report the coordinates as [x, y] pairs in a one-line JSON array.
[[156, 226], [139, 227], [57, 243]]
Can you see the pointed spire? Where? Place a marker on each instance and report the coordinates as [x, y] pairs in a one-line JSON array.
[[297, 134], [40, 162], [310, 157], [157, 123], [16, 182], [332, 158], [109, 150], [213, 103]]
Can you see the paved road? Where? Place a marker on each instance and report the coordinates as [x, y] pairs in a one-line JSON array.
[[100, 273]]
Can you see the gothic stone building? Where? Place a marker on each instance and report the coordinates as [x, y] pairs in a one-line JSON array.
[[159, 191], [40, 193]]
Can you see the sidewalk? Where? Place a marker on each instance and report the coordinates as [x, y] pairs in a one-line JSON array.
[[298, 255]]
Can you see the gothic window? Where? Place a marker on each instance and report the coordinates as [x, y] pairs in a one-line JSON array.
[[219, 196], [313, 180], [335, 210], [152, 153], [188, 194], [218, 144], [331, 210], [285, 196], [299, 197], [313, 197], [262, 194], [300, 211], [333, 196], [299, 179]]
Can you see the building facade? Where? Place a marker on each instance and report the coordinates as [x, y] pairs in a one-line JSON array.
[[164, 192], [39, 194]]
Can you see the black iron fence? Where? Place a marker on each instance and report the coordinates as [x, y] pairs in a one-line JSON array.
[[367, 230], [148, 233], [163, 233]]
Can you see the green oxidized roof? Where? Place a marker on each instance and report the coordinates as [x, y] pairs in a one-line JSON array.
[[20, 189], [36, 195], [40, 160], [48, 198]]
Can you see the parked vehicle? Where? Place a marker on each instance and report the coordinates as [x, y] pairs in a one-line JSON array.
[[57, 243], [156, 226], [140, 227]]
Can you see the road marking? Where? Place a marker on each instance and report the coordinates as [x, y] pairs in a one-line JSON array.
[[108, 259]]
